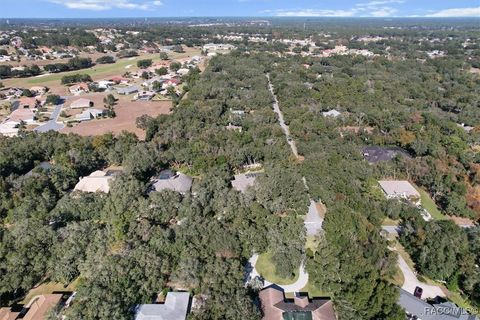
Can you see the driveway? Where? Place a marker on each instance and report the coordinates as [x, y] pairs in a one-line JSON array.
[[276, 109], [411, 282], [52, 124], [297, 286], [313, 221]]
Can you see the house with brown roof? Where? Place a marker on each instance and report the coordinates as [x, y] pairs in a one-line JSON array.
[[276, 307], [37, 309], [40, 306], [22, 114]]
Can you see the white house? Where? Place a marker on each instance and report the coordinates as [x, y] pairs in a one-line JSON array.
[[81, 103], [400, 189]]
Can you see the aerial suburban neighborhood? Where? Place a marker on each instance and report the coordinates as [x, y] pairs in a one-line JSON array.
[[286, 164]]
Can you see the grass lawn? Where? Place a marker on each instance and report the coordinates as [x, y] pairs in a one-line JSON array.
[[312, 243], [314, 291], [398, 279], [97, 72], [390, 222], [430, 206], [48, 287], [456, 298], [266, 268]]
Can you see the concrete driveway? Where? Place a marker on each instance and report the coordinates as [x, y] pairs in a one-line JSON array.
[[297, 286], [411, 282], [52, 124]]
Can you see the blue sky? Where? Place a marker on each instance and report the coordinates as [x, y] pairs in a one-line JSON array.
[[174, 8]]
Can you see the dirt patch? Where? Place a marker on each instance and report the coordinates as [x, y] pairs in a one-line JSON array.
[[460, 221], [126, 113]]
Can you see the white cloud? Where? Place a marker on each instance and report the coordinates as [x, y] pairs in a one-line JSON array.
[[457, 12], [314, 13], [379, 3], [383, 12], [99, 5]]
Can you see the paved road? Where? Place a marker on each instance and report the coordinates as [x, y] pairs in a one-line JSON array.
[[276, 109], [411, 282], [52, 124], [297, 286]]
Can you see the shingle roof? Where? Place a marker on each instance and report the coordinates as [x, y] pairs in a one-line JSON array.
[[168, 180], [97, 181], [425, 311], [396, 188], [174, 308]]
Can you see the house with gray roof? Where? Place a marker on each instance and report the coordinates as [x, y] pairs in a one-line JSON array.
[[416, 308], [127, 90], [175, 308], [175, 181]]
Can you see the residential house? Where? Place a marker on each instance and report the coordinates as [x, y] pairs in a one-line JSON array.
[[39, 90], [119, 80], [38, 308], [232, 127], [127, 90], [105, 84], [332, 113], [81, 103], [169, 180], [374, 154], [183, 71], [400, 189], [89, 114], [98, 181], [28, 102], [9, 129], [418, 309], [42, 166], [9, 314], [276, 307], [242, 182], [26, 115], [175, 307], [144, 96], [79, 88]]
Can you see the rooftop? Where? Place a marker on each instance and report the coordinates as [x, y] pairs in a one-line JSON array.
[[169, 180], [399, 188], [175, 308]]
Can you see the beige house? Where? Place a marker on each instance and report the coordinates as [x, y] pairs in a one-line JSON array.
[[400, 189], [98, 181]]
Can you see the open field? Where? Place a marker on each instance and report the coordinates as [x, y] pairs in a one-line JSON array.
[[126, 114], [97, 72], [266, 269]]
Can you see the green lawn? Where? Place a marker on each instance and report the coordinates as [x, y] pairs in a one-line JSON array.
[[47, 288], [430, 206], [266, 268], [314, 291], [98, 71]]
